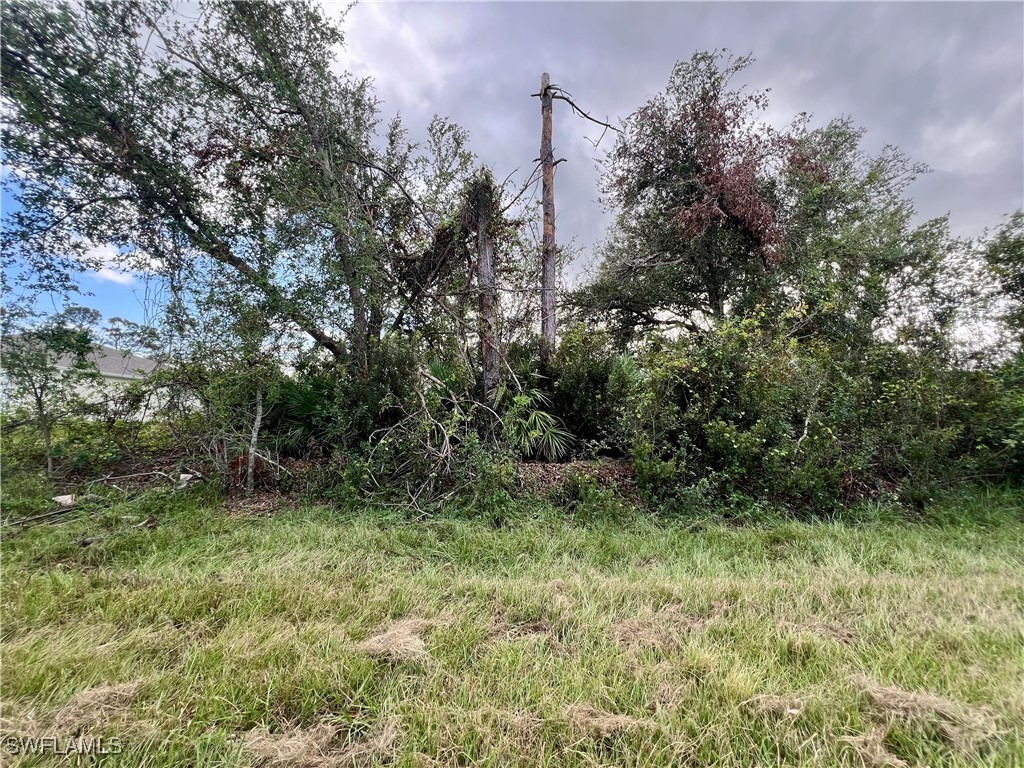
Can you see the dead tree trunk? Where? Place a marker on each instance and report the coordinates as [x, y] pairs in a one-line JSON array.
[[547, 259], [487, 283]]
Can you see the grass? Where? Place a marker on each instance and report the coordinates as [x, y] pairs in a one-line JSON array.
[[322, 638]]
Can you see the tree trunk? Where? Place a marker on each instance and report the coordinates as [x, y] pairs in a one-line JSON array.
[[547, 260], [250, 471], [487, 284], [44, 429], [360, 320]]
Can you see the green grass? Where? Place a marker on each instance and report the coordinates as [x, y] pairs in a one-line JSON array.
[[220, 640]]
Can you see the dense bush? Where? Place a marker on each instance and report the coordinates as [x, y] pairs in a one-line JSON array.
[[747, 413], [582, 368]]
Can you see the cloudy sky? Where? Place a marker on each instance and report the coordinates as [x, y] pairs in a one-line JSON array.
[[942, 81]]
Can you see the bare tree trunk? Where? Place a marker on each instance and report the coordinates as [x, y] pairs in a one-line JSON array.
[[250, 471], [547, 260], [487, 283]]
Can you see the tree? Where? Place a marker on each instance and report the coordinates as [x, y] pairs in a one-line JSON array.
[[692, 180], [129, 337], [1004, 253], [233, 144], [45, 367], [720, 215], [481, 214]]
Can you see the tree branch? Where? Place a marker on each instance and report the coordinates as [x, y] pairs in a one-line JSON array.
[[562, 95]]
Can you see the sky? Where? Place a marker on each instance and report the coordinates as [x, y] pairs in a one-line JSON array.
[[944, 82]]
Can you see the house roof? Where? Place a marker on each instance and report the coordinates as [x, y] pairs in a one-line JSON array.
[[113, 363]]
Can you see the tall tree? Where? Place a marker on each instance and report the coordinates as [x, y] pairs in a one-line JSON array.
[[482, 201], [690, 180], [719, 214], [233, 142]]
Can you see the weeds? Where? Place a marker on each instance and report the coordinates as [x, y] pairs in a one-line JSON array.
[[325, 637]]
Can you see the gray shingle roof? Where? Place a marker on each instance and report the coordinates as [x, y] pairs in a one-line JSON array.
[[113, 363]]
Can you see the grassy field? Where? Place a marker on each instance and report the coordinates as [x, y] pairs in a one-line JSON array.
[[314, 637]]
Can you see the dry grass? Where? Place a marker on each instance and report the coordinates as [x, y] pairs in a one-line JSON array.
[[322, 746], [402, 641], [664, 629], [870, 749], [600, 724], [503, 630], [306, 639], [962, 726], [773, 704], [99, 707]]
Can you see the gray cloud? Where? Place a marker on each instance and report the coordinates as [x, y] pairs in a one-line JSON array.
[[943, 81]]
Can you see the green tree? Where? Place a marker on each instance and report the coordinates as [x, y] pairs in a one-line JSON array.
[[227, 147], [1004, 253], [45, 368], [719, 215]]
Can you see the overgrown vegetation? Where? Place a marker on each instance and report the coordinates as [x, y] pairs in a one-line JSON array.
[[760, 504], [590, 637], [770, 328]]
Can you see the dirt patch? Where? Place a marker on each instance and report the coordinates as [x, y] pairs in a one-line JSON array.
[[318, 747], [544, 477], [870, 748], [960, 725], [402, 641]]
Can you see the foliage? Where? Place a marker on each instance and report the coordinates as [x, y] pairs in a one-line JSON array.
[[529, 429], [1004, 253], [231, 150], [47, 372], [748, 410], [771, 326], [588, 502], [692, 180], [581, 368]]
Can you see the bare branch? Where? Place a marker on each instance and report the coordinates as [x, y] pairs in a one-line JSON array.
[[565, 96]]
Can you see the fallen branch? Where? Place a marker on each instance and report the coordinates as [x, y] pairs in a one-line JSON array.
[[51, 513]]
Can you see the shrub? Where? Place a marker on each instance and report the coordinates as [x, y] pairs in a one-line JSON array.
[[581, 371], [583, 497], [749, 415]]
